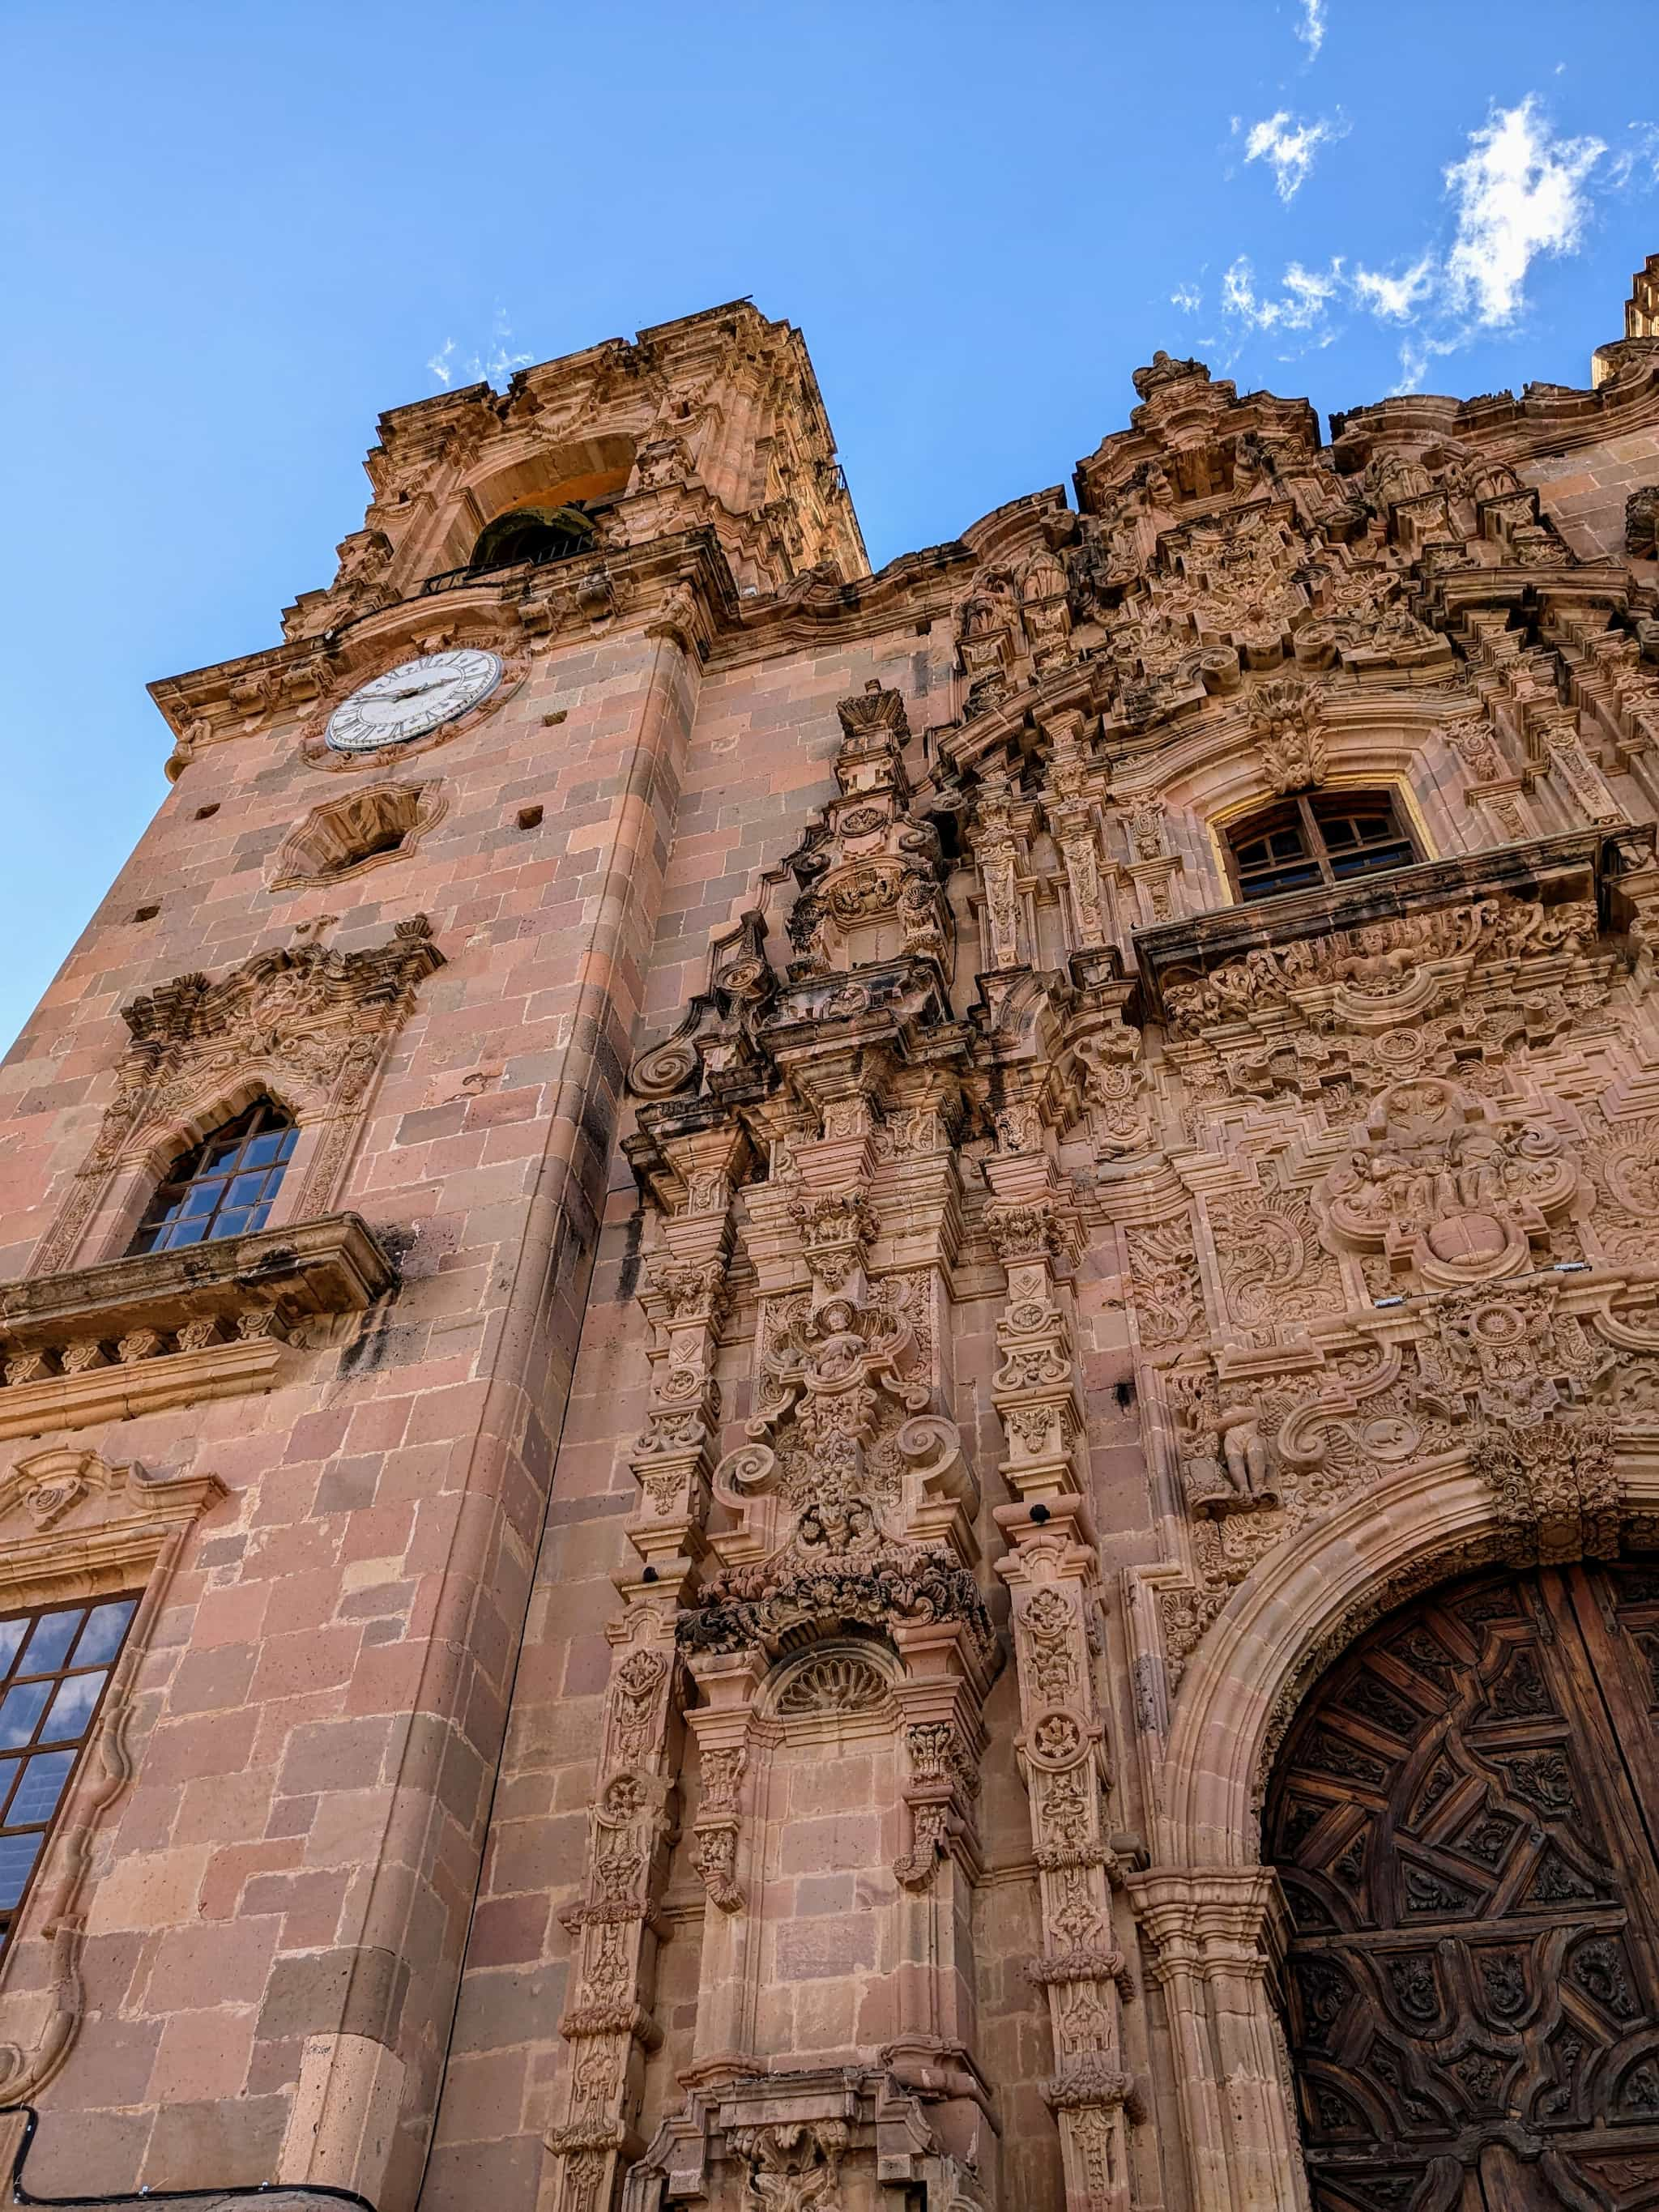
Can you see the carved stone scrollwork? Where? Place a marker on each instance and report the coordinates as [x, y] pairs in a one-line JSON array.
[[305, 1021]]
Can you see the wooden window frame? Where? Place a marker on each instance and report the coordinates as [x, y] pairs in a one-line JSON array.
[[1304, 805]]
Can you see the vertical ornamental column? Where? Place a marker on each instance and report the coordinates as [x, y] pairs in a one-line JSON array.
[[1212, 1933], [1052, 1570], [631, 1826], [1071, 801], [608, 2024]]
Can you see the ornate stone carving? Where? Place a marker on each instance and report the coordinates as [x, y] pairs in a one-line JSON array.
[[370, 825], [793, 2167], [306, 1022], [1226, 1458], [1168, 1293], [1287, 730], [1377, 961], [1446, 1187], [1642, 523]]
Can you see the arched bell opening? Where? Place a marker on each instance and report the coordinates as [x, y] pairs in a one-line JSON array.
[[533, 533], [1464, 1820]]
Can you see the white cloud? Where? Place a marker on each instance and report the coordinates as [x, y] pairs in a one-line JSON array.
[[492, 364], [1637, 162], [1305, 296], [1311, 29], [1518, 192], [1289, 148], [1415, 355], [1188, 298], [1396, 299], [498, 364]]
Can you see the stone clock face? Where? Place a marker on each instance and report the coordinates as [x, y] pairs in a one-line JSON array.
[[412, 699]]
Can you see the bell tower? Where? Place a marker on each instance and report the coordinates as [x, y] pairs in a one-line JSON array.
[[308, 1158]]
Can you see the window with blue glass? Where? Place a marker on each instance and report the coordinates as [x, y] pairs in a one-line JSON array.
[[225, 1185], [55, 1667]]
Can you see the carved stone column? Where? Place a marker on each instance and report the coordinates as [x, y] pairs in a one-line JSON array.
[[608, 2022], [1152, 868], [722, 1723], [998, 847], [1071, 803], [684, 1296], [1214, 1936], [1053, 1572]]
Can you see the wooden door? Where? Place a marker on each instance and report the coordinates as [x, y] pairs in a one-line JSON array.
[[1465, 1818]]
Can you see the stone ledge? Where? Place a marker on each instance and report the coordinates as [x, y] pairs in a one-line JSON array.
[[1579, 866], [171, 1329]]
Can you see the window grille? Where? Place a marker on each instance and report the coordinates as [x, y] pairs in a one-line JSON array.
[[222, 1187], [55, 1666]]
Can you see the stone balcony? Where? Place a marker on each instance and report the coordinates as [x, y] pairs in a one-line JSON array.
[[172, 1329], [1584, 865]]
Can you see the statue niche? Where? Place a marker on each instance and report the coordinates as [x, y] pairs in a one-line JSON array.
[[870, 872]]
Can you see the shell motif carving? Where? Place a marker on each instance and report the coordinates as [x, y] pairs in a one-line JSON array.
[[839, 1682]]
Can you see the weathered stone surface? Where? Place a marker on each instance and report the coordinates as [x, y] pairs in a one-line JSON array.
[[849, 1331]]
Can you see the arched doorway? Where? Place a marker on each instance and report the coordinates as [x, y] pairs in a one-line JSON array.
[[1465, 1818]]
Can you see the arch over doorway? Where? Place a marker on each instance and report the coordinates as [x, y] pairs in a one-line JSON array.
[[1212, 1916], [1465, 1820]]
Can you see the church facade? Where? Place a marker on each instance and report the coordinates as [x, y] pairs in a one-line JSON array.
[[829, 1392]]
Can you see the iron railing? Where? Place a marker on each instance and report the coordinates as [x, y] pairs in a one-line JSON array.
[[457, 580]]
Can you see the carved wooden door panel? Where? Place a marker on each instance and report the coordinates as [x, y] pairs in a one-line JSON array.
[[1465, 1818]]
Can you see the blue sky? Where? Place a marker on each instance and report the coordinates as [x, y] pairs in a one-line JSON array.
[[231, 235]]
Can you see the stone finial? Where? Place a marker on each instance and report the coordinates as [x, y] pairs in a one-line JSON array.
[[1161, 370]]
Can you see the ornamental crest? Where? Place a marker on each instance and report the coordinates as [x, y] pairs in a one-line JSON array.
[[1446, 1186]]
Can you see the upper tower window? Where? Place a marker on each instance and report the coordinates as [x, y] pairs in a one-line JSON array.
[[224, 1187], [1317, 837], [532, 533]]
